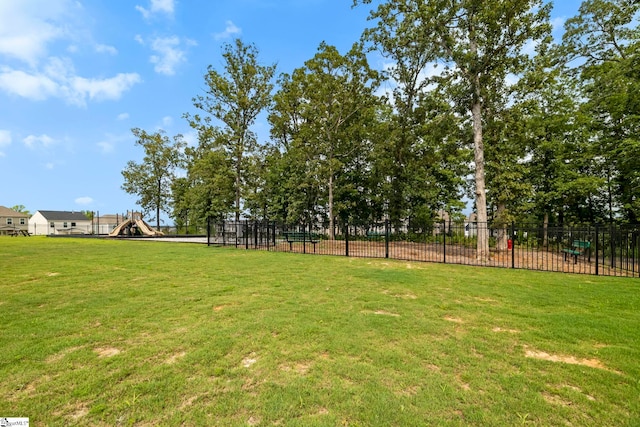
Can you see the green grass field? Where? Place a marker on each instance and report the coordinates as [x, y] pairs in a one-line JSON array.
[[96, 332]]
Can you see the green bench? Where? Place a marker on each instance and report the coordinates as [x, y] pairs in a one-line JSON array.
[[301, 237], [371, 235], [578, 247]]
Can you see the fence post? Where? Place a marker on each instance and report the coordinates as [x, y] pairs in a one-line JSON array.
[[246, 234], [513, 245], [386, 238], [208, 230], [444, 241], [274, 234], [346, 240], [256, 230], [596, 257]]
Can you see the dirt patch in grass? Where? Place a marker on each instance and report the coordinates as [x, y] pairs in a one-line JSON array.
[[453, 319], [106, 351], [556, 400], [55, 358], [511, 331], [400, 296], [300, 368], [247, 362], [254, 421], [175, 357], [52, 274], [188, 402], [386, 313], [571, 360]]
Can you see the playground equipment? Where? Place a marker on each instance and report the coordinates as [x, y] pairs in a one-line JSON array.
[[135, 226]]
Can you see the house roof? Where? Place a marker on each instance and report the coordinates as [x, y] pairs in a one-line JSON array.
[[6, 212], [64, 216]]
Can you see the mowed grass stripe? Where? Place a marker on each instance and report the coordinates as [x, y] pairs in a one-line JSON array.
[[98, 332]]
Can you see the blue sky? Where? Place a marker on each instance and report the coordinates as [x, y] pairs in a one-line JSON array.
[[77, 75]]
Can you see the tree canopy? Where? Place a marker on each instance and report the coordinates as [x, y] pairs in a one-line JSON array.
[[475, 100]]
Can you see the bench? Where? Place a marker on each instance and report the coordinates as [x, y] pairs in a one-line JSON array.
[[16, 233], [301, 237], [372, 235], [578, 247]]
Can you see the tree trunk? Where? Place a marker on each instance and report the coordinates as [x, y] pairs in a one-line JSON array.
[[158, 206], [481, 197], [332, 231], [503, 234], [545, 230], [238, 181]]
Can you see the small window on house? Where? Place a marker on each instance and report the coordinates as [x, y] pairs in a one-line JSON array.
[[64, 224], [22, 221], [52, 225], [9, 221], [73, 224]]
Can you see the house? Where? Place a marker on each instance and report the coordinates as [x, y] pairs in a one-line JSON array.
[[59, 222], [106, 223], [13, 222]]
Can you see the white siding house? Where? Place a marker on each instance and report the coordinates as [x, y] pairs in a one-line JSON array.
[[59, 222]]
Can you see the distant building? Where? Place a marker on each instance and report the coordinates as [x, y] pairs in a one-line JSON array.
[[59, 222], [13, 222], [105, 224]]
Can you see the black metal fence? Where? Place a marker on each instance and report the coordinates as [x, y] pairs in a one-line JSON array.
[[610, 250]]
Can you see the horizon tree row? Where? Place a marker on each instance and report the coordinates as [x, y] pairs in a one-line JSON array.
[[477, 102]]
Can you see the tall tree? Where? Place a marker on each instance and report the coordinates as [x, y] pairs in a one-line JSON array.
[[151, 180], [603, 40], [235, 97], [335, 103], [480, 42]]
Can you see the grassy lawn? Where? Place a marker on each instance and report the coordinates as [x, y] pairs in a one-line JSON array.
[[99, 332]]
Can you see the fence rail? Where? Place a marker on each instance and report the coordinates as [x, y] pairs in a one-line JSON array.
[[610, 250]]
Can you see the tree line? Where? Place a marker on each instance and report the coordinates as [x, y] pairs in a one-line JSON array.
[[477, 101]]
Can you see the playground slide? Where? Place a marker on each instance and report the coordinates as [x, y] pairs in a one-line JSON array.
[[146, 229], [116, 231]]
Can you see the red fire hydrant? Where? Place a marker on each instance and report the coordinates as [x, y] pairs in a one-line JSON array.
[[509, 244]]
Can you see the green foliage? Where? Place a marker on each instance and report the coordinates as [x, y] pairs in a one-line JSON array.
[[151, 180], [320, 122], [20, 208], [235, 98]]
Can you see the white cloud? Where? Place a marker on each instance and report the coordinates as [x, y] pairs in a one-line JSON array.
[[229, 31], [49, 166], [58, 79], [110, 142], [27, 27], [123, 116], [169, 53], [32, 142], [84, 200], [102, 89], [157, 6], [106, 147], [167, 121], [103, 48], [5, 140], [32, 86]]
